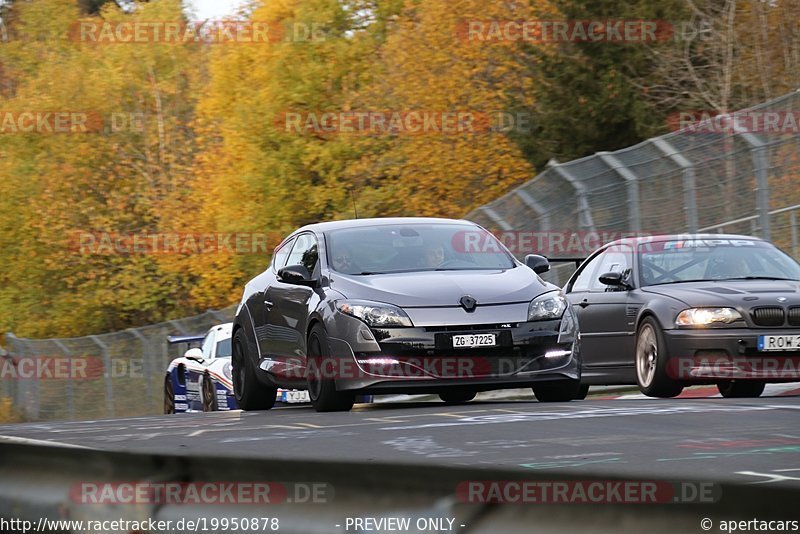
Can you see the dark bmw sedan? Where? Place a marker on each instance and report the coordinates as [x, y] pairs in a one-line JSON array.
[[671, 311], [403, 305]]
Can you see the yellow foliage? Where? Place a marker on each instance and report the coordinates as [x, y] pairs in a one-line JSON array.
[[8, 414]]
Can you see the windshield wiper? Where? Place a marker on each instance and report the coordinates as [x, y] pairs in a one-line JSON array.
[[760, 278], [472, 269], [683, 281]]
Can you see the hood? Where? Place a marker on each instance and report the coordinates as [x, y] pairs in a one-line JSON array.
[[742, 294], [444, 288]]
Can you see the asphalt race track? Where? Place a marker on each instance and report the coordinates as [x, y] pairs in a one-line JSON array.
[[744, 440]]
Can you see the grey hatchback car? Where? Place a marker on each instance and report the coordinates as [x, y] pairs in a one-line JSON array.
[[401, 305]]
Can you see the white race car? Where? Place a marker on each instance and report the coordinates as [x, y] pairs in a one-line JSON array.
[[201, 380]]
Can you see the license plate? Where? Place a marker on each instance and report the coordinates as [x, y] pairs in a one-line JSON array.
[[469, 341], [291, 397], [778, 343]]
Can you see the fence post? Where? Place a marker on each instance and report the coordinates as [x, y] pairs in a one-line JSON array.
[[26, 395], [531, 202], [793, 226], [758, 152], [499, 221], [584, 210], [632, 182], [13, 391], [146, 367], [689, 181], [107, 364], [70, 385]]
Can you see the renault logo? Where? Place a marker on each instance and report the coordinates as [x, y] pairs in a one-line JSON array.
[[468, 303]]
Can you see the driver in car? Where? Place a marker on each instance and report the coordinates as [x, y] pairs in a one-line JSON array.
[[433, 256], [343, 261], [728, 267]]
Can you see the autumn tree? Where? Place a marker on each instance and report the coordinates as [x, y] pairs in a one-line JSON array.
[[431, 64], [113, 179]]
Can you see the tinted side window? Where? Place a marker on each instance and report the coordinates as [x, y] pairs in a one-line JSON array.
[[280, 255], [617, 259], [584, 279], [304, 252]]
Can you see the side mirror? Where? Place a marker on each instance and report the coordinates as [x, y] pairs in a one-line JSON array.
[[614, 280], [194, 354], [297, 275], [539, 264]]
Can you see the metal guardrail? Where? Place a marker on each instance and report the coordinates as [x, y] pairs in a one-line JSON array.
[[681, 182], [132, 367], [39, 482], [794, 229]]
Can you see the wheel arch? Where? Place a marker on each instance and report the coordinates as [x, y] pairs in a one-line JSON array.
[[312, 322], [654, 313], [243, 322]]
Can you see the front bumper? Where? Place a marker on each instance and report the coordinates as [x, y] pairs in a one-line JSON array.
[[421, 359], [710, 355]]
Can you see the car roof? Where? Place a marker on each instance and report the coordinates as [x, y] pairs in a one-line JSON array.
[[378, 221], [637, 240], [224, 331]]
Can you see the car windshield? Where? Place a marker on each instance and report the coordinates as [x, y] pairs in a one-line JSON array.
[[224, 348], [669, 262], [384, 249]]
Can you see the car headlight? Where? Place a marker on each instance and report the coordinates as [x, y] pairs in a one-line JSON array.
[[375, 314], [226, 370], [547, 306], [707, 316]]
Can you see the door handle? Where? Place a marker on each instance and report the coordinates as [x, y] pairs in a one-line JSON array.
[[584, 303]]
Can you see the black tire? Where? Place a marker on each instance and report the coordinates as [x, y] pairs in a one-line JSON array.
[[169, 396], [322, 389], [734, 389], [457, 396], [209, 394], [651, 359], [249, 392], [582, 392], [560, 391]]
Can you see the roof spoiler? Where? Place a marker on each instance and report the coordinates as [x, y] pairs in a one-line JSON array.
[[173, 340]]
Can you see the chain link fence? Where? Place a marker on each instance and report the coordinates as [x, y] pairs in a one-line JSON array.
[[741, 182], [109, 375], [744, 180]]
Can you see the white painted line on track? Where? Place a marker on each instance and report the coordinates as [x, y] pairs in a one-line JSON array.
[[29, 441]]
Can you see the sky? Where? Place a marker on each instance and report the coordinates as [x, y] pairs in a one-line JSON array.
[[213, 9]]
